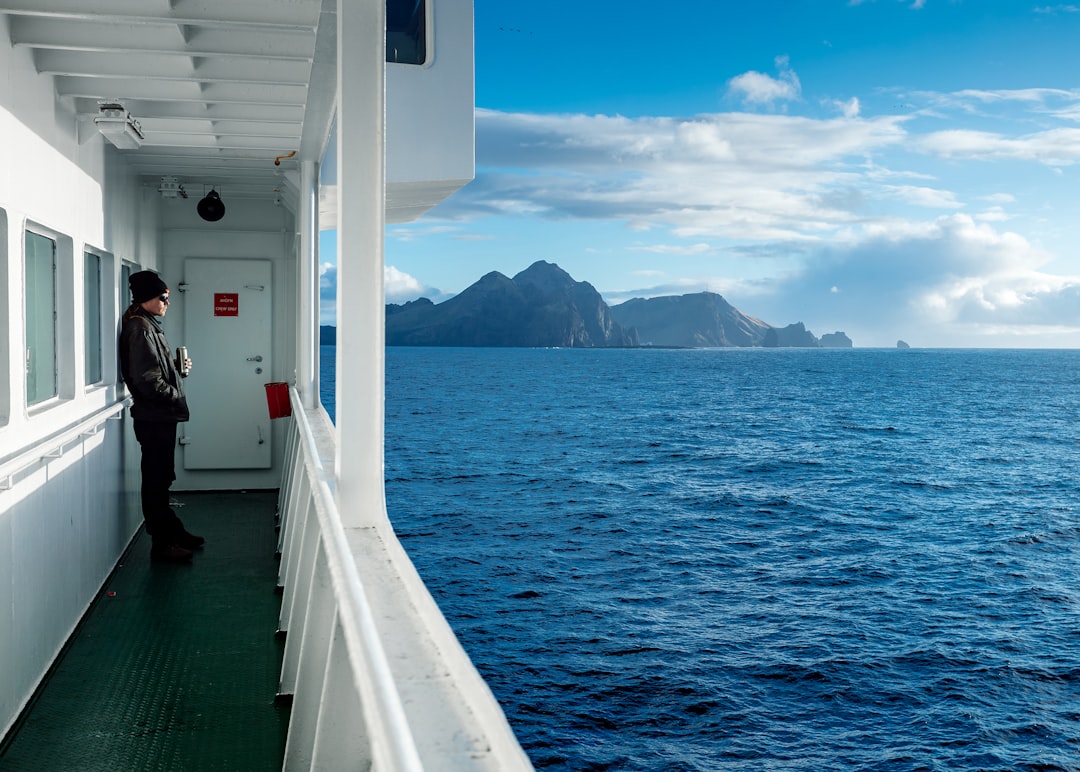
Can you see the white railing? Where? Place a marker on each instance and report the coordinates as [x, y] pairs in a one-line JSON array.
[[324, 601], [352, 706], [54, 446]]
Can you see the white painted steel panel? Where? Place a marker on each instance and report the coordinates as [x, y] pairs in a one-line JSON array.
[[227, 329]]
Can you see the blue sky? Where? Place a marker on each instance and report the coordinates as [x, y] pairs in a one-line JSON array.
[[889, 168]]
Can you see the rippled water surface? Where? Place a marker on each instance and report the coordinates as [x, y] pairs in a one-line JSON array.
[[754, 559]]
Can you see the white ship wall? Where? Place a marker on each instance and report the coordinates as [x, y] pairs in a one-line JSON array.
[[66, 505], [251, 230], [430, 147]]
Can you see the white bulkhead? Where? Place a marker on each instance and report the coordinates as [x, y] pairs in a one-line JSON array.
[[117, 118]]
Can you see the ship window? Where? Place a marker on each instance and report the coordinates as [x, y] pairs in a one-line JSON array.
[[406, 31], [126, 269], [125, 275], [5, 313], [92, 310], [40, 318]]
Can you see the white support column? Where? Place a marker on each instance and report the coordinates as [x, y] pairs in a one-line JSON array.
[[361, 62], [307, 286]]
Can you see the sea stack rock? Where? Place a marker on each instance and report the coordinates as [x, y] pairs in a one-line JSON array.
[[836, 340], [793, 336]]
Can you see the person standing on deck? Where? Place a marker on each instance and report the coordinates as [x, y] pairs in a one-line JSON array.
[[159, 405]]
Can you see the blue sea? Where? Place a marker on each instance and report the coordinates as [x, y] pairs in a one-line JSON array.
[[752, 559]]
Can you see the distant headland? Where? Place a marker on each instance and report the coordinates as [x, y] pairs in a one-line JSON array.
[[543, 306]]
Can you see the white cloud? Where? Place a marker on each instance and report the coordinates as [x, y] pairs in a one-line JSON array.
[[674, 249], [936, 277], [849, 109], [1056, 9], [732, 175], [1027, 106], [926, 197], [399, 286], [761, 89], [1055, 147], [410, 232], [686, 286], [993, 214]]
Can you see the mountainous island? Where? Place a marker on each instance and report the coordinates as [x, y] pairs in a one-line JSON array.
[[543, 306]]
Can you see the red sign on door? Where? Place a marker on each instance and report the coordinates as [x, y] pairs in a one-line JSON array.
[[226, 304]]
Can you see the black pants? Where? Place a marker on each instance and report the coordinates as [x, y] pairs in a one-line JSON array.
[[158, 443]]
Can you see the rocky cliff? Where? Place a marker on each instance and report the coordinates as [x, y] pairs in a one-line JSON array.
[[793, 336], [541, 306], [699, 320]]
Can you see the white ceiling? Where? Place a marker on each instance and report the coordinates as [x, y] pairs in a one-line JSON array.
[[220, 87]]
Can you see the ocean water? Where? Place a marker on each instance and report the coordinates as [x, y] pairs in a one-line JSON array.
[[754, 559]]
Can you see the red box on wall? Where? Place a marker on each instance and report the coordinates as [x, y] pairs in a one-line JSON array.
[[277, 400]]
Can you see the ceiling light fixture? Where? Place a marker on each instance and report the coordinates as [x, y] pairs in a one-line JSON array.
[[171, 188], [116, 125]]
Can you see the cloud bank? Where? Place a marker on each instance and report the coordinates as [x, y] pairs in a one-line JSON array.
[[869, 220]]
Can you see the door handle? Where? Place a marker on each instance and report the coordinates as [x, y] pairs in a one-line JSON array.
[[255, 358]]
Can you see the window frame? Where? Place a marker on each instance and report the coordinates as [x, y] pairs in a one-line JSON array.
[[45, 370], [64, 309], [423, 37], [6, 341], [93, 308], [107, 317]]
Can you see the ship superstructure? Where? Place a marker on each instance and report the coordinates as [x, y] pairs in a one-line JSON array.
[[213, 142]]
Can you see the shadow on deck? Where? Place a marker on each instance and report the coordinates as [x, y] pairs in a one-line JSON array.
[[173, 667]]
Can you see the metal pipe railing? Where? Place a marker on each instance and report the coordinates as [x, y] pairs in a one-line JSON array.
[[392, 745], [53, 447]]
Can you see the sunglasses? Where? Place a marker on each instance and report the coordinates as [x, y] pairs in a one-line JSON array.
[[163, 298]]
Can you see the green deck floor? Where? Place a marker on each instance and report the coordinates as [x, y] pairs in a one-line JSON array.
[[173, 667]]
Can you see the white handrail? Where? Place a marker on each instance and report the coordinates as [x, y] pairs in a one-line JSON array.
[[392, 732], [53, 446]]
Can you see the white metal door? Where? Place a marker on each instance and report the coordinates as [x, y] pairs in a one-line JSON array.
[[227, 329]]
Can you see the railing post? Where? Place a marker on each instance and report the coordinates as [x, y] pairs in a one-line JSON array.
[[286, 500], [299, 488], [342, 741], [297, 595], [311, 670]]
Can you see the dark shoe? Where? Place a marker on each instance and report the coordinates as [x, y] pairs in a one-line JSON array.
[[171, 553], [189, 540]]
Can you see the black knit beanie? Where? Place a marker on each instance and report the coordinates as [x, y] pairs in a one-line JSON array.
[[146, 285]]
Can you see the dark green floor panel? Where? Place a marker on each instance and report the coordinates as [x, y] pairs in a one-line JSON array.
[[174, 667]]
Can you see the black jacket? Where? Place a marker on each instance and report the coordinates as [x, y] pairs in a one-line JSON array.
[[147, 367]]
